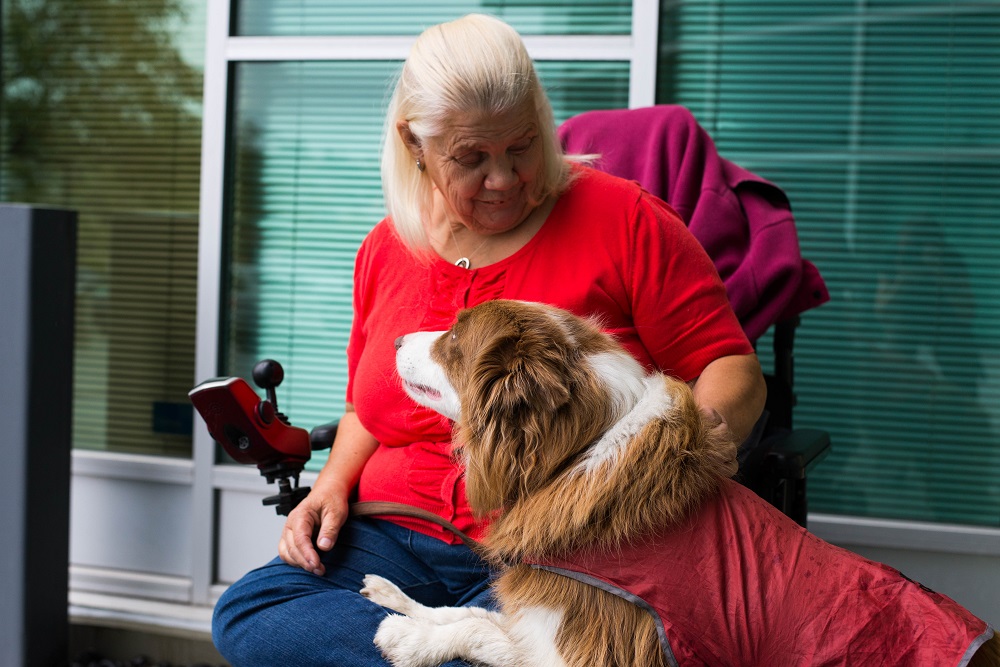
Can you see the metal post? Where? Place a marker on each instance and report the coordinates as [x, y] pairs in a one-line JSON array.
[[37, 278]]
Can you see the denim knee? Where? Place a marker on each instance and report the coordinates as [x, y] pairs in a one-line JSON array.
[[282, 615], [227, 622], [243, 634]]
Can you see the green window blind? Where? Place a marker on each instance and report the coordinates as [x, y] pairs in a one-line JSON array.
[[101, 114], [306, 191], [350, 17], [880, 120]]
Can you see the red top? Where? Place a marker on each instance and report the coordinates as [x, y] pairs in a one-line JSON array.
[[758, 589], [608, 249]]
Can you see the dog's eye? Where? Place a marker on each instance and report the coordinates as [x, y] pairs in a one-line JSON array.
[[454, 336]]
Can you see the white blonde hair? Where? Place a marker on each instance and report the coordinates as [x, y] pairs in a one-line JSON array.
[[477, 63]]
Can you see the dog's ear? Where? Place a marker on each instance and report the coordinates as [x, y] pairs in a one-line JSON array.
[[516, 387], [521, 372]]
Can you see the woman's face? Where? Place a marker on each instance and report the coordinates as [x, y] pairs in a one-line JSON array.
[[487, 168]]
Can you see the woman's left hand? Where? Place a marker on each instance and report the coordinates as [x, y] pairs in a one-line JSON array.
[[731, 391]]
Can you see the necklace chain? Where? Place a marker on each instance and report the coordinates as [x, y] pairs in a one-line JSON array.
[[466, 261]]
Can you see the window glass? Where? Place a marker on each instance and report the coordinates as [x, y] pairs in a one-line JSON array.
[[306, 191], [350, 17], [880, 121], [101, 113]]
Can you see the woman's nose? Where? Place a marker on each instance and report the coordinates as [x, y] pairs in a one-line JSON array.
[[501, 174]]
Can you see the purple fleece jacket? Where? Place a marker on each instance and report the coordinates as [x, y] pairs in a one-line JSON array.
[[744, 222]]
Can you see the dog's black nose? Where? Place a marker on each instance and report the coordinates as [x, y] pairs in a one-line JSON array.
[[399, 342]]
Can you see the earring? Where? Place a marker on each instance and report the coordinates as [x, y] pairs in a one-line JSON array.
[[420, 165]]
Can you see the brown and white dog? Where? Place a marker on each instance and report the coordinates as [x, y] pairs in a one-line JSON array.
[[565, 432], [570, 445]]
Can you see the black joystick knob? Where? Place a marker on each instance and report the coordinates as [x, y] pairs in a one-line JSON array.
[[268, 374]]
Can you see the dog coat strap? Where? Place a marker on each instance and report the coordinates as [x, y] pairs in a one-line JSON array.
[[387, 508]]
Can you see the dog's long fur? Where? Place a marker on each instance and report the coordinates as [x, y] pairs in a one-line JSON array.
[[568, 443]]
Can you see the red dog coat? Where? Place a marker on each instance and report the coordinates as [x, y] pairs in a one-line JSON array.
[[741, 584]]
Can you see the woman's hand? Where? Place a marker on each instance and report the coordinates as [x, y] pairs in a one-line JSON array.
[[320, 516], [322, 513], [716, 422], [731, 391]]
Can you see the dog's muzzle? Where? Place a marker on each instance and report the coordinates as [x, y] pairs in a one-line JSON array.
[[424, 380]]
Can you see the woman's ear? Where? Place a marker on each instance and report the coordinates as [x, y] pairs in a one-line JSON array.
[[410, 140]]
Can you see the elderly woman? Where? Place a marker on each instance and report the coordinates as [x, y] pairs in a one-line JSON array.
[[482, 204]]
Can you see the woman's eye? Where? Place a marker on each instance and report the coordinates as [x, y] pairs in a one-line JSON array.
[[520, 148], [469, 159]]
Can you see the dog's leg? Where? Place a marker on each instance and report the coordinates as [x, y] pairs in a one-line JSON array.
[[428, 636], [385, 593], [420, 642]]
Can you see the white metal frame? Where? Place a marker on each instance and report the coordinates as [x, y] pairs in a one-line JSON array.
[[910, 535], [213, 164]]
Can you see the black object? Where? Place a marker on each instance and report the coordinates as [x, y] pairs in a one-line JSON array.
[[776, 463], [37, 275], [254, 431]]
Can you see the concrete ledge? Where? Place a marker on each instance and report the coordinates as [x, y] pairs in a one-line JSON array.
[[158, 618]]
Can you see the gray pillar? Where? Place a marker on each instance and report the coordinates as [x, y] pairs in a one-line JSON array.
[[37, 278]]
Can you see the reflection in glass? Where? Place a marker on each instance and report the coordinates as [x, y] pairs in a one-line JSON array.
[[877, 124], [351, 17], [101, 113]]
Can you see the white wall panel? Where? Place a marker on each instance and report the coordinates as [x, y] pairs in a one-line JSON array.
[[136, 525], [248, 533], [961, 562]]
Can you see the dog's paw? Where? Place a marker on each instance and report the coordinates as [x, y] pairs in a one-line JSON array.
[[385, 593], [405, 642]]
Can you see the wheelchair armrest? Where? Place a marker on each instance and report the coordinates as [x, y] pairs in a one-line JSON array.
[[794, 452], [789, 455], [321, 437]]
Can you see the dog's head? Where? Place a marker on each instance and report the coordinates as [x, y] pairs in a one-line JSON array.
[[527, 386]]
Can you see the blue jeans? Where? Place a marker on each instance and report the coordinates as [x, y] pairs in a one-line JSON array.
[[283, 615]]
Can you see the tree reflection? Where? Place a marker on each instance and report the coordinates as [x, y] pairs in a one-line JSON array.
[[101, 113]]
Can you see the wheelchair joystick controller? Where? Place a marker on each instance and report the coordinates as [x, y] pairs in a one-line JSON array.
[[267, 375], [254, 431]]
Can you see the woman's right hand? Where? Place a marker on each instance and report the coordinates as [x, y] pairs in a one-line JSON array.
[[320, 515]]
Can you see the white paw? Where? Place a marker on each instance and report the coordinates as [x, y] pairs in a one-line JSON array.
[[384, 592], [404, 642]]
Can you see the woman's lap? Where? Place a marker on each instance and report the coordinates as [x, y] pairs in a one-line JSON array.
[[279, 614]]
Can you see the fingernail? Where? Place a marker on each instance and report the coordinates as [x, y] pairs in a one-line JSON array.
[[324, 543]]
